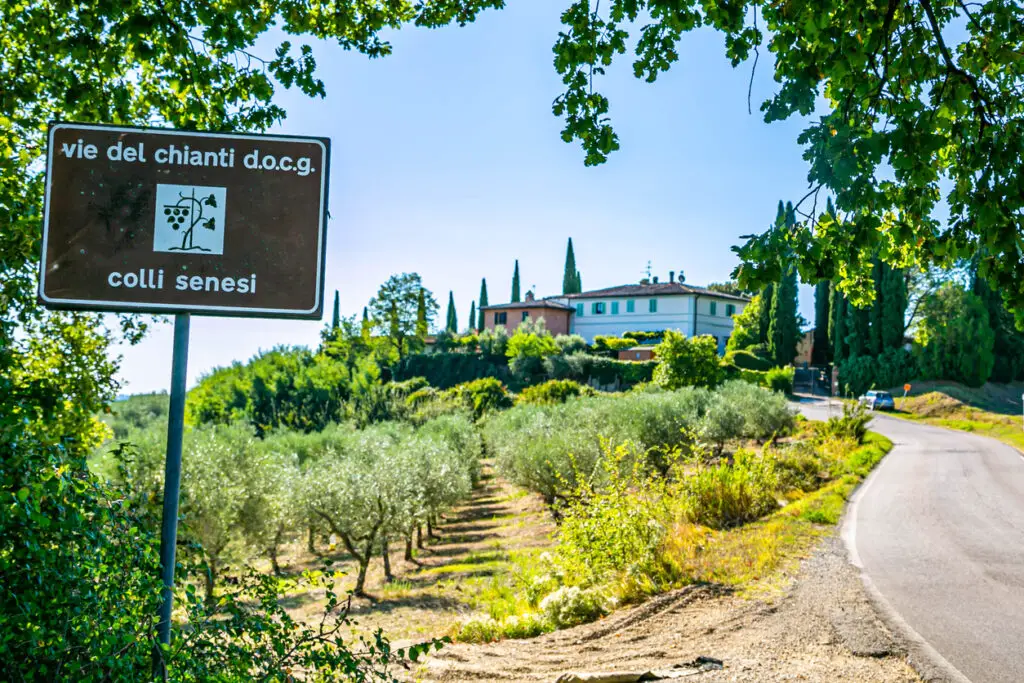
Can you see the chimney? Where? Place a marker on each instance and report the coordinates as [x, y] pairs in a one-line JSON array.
[[671, 276], [655, 279], [529, 295]]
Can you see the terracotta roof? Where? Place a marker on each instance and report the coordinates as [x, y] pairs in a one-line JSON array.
[[538, 303], [659, 289]]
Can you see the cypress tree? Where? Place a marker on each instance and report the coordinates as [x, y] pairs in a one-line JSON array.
[[1008, 343], [336, 318], [453, 320], [783, 329], [767, 300], [837, 324], [822, 351], [472, 316], [421, 315], [579, 282], [515, 283], [877, 311], [483, 303], [894, 307], [570, 278], [858, 330]]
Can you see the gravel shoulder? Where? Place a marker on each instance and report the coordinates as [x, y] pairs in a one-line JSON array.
[[821, 627]]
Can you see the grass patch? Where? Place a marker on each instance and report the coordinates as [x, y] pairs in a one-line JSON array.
[[942, 410]]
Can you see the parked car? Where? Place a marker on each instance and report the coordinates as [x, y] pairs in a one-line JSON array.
[[878, 400]]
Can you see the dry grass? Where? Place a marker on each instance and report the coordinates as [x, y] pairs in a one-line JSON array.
[[993, 410]]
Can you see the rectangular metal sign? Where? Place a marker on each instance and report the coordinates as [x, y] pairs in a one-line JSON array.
[[161, 221]]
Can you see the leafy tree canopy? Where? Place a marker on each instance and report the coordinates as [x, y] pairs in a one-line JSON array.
[[921, 143]]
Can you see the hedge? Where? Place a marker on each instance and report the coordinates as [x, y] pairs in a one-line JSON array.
[[445, 370], [589, 369]]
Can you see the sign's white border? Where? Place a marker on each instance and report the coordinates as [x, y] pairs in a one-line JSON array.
[[129, 306]]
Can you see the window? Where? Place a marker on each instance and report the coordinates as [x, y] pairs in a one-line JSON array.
[[652, 306], [615, 308], [713, 307], [630, 306], [597, 308], [730, 310], [526, 316], [638, 355], [500, 318], [579, 309]]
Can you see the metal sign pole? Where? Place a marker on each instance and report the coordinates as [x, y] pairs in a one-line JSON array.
[[172, 474]]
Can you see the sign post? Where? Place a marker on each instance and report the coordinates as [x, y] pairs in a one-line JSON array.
[[149, 220]]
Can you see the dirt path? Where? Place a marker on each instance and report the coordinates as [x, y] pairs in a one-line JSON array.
[[820, 629], [473, 558]]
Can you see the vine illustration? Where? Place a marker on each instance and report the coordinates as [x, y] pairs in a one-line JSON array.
[[189, 209]]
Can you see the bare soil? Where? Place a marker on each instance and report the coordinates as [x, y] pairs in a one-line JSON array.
[[820, 628]]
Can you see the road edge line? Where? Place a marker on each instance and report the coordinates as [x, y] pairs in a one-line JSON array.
[[919, 651]]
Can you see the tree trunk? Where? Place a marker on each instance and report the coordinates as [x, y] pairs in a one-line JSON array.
[[311, 539], [211, 580], [386, 555], [408, 547], [274, 545], [273, 561], [430, 526], [419, 536], [361, 577]]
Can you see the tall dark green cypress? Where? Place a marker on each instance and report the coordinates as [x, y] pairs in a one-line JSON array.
[[837, 324], [894, 307], [858, 330], [765, 314], [421, 314], [783, 328], [822, 352], [472, 316], [571, 276], [876, 313], [515, 283], [1008, 347], [453, 320], [579, 282], [336, 317], [483, 303]]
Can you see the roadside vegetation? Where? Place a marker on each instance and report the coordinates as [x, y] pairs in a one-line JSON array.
[[992, 410]]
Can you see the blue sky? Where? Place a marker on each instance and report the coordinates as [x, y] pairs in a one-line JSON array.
[[447, 161]]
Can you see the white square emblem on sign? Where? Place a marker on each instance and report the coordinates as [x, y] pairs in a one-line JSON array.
[[189, 218]]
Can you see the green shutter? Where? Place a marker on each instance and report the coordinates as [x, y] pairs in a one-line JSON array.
[[579, 309], [652, 306], [714, 308], [630, 306], [615, 308]]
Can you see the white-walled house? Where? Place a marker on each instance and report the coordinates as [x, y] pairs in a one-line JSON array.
[[694, 311], [652, 307]]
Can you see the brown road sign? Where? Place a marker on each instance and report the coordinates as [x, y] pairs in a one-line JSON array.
[[168, 221]]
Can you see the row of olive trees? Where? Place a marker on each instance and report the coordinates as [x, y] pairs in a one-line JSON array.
[[245, 497], [552, 449]]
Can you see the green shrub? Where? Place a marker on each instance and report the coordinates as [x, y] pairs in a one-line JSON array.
[[731, 494], [642, 337], [489, 630], [586, 368], [780, 379], [747, 360], [853, 424], [615, 528], [684, 362], [571, 343], [445, 370], [571, 606], [482, 395], [612, 345], [554, 391]]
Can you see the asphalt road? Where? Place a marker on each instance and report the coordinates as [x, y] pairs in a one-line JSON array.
[[938, 530]]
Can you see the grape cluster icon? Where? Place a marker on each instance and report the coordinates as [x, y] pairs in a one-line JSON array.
[[185, 214], [176, 215]]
